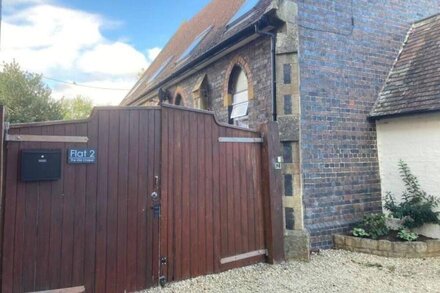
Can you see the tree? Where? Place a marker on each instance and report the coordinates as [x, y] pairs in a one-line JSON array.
[[77, 108], [26, 97]]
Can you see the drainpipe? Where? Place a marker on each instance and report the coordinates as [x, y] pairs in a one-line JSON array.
[[273, 37]]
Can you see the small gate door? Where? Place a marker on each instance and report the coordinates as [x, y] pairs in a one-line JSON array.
[[213, 197], [96, 226]]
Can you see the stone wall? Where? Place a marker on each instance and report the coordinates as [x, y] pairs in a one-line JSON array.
[[416, 249], [347, 48], [256, 56]]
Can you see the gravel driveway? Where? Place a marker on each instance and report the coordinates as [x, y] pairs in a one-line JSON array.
[[330, 271]]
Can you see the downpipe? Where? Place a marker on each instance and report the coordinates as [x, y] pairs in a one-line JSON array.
[[273, 37]]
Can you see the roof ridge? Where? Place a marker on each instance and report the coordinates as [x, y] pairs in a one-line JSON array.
[[423, 21]]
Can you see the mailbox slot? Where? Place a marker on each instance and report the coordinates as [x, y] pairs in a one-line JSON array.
[[40, 165]]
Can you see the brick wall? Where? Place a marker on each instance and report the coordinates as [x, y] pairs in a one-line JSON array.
[[342, 70], [256, 56]]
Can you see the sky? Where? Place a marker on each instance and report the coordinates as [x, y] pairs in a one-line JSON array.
[[94, 48]]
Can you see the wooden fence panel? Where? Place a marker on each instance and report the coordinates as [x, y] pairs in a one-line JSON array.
[[94, 226], [218, 203], [212, 196]]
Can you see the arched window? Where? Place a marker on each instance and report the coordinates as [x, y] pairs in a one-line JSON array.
[[238, 89], [178, 100]]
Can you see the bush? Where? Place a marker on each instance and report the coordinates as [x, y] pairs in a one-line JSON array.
[[417, 207], [359, 232], [407, 235], [373, 225]]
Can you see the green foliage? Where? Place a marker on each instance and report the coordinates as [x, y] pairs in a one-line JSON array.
[[374, 225], [417, 207], [26, 97], [77, 108], [359, 232], [407, 235]]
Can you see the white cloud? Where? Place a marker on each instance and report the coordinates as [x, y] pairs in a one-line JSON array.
[[7, 3], [117, 58], [68, 44], [153, 53], [96, 89]]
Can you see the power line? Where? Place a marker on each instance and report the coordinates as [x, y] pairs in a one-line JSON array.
[[83, 85]]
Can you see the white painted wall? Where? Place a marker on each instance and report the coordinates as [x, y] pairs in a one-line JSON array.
[[416, 140]]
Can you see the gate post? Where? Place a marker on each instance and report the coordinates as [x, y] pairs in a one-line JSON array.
[[271, 179], [2, 187]]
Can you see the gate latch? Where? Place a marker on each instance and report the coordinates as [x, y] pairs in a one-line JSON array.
[[156, 210], [163, 260]]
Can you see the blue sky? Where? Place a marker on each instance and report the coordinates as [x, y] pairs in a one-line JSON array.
[[145, 23], [102, 46]]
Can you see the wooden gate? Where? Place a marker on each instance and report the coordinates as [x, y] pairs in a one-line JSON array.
[[173, 194]]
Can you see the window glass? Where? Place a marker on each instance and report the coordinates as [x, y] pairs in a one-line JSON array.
[[245, 8], [240, 98], [161, 68], [194, 44]]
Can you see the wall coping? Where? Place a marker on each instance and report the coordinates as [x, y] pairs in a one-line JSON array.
[[415, 249]]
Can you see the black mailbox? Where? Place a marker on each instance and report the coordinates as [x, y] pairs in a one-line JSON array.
[[40, 165]]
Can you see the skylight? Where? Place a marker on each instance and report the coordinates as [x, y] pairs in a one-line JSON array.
[[244, 9], [161, 68], [194, 44]]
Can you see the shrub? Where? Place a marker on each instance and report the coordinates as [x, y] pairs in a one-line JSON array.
[[359, 232], [407, 235], [416, 207], [374, 225]]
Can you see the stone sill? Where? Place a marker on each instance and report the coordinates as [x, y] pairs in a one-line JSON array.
[[415, 249]]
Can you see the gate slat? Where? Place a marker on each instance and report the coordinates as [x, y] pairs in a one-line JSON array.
[[216, 182], [68, 220], [101, 228], [43, 236], [31, 196], [56, 229], [91, 208], [223, 148], [208, 158], [244, 202], [186, 242], [193, 195], [112, 202], [80, 215], [12, 153], [201, 196], [168, 180], [122, 201], [133, 167], [156, 172], [178, 194]]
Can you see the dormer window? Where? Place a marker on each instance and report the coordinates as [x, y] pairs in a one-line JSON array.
[[242, 13], [160, 70], [194, 44]]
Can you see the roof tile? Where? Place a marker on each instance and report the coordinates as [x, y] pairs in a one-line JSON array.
[[413, 85]]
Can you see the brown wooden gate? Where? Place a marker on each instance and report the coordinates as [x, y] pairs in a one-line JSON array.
[[99, 225]]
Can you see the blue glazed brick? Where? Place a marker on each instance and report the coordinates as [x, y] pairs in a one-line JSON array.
[[290, 218], [288, 185], [288, 104], [287, 152], [287, 73]]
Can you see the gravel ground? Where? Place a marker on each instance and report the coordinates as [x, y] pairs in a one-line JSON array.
[[329, 271]]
